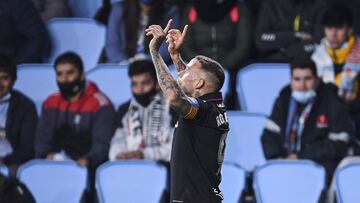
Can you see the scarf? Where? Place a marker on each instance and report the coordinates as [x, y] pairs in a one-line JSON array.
[[349, 54], [147, 126]]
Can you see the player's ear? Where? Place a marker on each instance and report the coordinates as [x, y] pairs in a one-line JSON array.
[[199, 84]]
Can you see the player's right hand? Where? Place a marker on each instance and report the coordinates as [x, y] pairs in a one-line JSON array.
[[175, 38]]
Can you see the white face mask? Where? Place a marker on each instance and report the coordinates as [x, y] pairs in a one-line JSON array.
[[303, 96]]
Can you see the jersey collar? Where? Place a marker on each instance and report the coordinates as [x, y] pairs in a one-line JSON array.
[[215, 97]]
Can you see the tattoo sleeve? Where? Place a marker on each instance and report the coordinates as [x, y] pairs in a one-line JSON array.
[[180, 65], [178, 99]]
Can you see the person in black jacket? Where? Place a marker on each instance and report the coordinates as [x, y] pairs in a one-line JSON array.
[[288, 28], [18, 119], [308, 121], [23, 35]]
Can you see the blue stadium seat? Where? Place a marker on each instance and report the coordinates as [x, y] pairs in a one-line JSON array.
[[130, 181], [83, 36], [85, 8], [347, 182], [52, 181], [224, 88], [113, 80], [259, 84], [4, 170], [243, 144], [37, 81], [284, 181], [232, 183]]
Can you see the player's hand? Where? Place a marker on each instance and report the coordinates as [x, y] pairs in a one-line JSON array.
[[50, 156], [175, 38], [137, 154], [83, 162], [158, 35], [292, 156]]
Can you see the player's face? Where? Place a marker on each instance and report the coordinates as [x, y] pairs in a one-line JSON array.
[[337, 36], [142, 83], [303, 80], [5, 83], [190, 76]]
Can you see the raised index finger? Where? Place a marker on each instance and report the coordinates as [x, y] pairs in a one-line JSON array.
[[184, 32], [168, 26]]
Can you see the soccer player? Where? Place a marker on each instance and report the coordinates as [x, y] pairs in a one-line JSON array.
[[201, 130]]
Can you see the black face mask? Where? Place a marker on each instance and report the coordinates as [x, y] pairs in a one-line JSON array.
[[70, 89], [146, 98]]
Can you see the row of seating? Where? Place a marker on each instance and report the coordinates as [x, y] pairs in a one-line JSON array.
[[281, 181], [258, 84]]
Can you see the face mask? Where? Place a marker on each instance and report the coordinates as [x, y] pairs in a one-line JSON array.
[[70, 89], [146, 98], [303, 96]]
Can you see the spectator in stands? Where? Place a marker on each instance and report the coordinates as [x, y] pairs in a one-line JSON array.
[[221, 30], [18, 119], [354, 6], [308, 121], [49, 9], [23, 35], [75, 123], [128, 19], [337, 57], [144, 125], [288, 28]]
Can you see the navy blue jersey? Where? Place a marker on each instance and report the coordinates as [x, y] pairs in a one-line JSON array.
[[198, 151]]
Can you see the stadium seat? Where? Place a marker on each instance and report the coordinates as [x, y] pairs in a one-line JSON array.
[[113, 80], [54, 181], [4, 170], [130, 181], [83, 36], [232, 182], [347, 181], [243, 144], [284, 181], [84, 8], [259, 84], [37, 81]]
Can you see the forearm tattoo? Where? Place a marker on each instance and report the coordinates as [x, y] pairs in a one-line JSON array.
[[179, 64], [167, 82]]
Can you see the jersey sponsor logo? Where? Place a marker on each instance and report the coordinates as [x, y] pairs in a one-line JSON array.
[[322, 121], [221, 119], [218, 193]]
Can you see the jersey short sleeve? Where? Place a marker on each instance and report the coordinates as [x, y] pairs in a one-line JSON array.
[[199, 109]]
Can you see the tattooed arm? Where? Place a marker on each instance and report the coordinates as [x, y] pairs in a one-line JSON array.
[[178, 99], [175, 39]]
